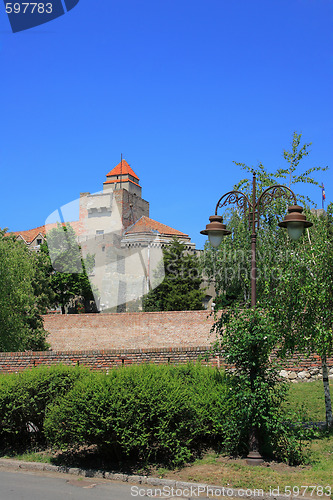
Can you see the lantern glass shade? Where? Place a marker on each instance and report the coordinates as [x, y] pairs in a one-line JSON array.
[[295, 230], [215, 238], [295, 222], [215, 230]]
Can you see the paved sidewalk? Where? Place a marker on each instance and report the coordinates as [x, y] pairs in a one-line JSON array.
[[146, 486]]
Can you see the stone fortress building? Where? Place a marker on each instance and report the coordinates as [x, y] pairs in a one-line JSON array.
[[114, 226]]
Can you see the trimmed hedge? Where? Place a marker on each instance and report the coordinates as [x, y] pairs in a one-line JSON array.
[[154, 413], [24, 397], [151, 413]]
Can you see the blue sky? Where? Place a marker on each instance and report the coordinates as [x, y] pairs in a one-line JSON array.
[[180, 87]]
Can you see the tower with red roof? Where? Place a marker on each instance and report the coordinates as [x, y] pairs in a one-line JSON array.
[[120, 199], [122, 177], [114, 226]]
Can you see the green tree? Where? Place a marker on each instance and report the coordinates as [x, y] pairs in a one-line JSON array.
[[293, 278], [180, 290], [247, 337], [67, 269], [24, 296], [301, 302], [229, 266]]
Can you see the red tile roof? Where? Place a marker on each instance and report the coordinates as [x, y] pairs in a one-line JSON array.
[[122, 168], [142, 225], [31, 234], [147, 225]]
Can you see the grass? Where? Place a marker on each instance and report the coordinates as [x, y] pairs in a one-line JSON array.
[[31, 456], [311, 395], [235, 473]]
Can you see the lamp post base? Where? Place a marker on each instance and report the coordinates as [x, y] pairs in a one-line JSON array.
[[254, 458]]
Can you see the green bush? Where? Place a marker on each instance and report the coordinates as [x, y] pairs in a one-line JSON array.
[[247, 338], [151, 413], [261, 408], [24, 397], [291, 436], [154, 413]]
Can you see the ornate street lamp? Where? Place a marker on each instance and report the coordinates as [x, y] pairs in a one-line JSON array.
[[295, 222]]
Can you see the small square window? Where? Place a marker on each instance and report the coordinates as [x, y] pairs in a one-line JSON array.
[[39, 241]]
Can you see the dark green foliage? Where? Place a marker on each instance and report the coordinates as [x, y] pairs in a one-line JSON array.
[[148, 412], [68, 272], [294, 279], [24, 296], [301, 301], [302, 304], [260, 406], [229, 265], [282, 436], [247, 338], [180, 289], [291, 435], [157, 414], [24, 397]]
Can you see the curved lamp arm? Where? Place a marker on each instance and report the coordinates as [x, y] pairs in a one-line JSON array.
[[276, 192], [233, 197]]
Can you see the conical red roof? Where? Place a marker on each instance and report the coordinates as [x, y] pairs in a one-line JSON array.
[[122, 168]]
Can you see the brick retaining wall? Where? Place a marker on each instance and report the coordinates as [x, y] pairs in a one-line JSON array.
[[296, 369], [102, 341], [103, 359], [140, 330]]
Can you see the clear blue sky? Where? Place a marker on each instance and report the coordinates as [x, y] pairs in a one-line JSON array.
[[180, 87]]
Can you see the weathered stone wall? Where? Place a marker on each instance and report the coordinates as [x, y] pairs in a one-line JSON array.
[[304, 373]]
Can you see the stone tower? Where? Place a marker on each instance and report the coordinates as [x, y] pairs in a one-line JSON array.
[[123, 183], [120, 272]]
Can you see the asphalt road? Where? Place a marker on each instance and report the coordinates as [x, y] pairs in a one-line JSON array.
[[45, 486]]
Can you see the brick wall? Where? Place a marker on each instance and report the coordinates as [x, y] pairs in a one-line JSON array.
[[103, 359], [295, 369], [102, 341], [129, 330]]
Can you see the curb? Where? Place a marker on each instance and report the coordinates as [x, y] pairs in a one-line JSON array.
[[172, 485]]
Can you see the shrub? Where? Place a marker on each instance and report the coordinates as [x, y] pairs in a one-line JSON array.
[[24, 397], [154, 413], [247, 338], [291, 436]]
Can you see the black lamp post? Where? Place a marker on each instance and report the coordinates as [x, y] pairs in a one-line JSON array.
[[294, 221]]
